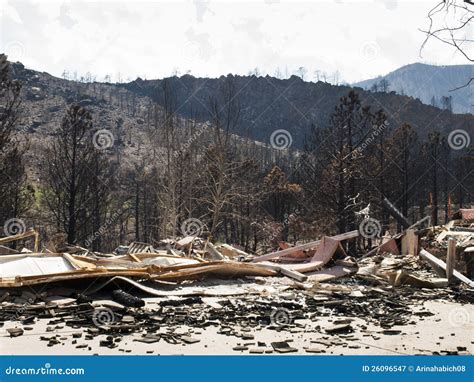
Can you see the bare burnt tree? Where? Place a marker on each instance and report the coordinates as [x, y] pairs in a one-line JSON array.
[[167, 125], [221, 184], [15, 194], [447, 103], [338, 160], [100, 189], [432, 152], [169, 194], [377, 160], [384, 85], [280, 199], [69, 165], [403, 148], [463, 166]]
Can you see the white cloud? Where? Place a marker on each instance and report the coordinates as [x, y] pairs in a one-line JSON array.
[[360, 39]]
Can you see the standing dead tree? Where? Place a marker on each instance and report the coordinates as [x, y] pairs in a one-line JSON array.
[[220, 168], [72, 175], [15, 194], [338, 160]]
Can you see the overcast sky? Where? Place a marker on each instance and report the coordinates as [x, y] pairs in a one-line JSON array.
[[151, 39]]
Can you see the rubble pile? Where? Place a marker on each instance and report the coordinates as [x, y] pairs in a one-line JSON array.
[[173, 293]]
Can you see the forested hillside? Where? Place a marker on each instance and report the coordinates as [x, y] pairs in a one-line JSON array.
[[246, 160]]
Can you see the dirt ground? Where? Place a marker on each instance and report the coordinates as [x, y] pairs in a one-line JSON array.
[[450, 329]]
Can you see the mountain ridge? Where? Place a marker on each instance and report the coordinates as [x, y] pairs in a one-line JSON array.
[[266, 103], [425, 81]]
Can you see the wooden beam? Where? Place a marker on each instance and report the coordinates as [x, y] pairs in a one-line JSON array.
[[285, 271], [134, 258], [231, 252], [435, 262], [450, 259], [410, 243], [310, 245], [36, 241], [19, 236]]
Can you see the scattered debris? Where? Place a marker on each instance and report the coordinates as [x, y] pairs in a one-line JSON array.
[[15, 332], [200, 284], [283, 347]]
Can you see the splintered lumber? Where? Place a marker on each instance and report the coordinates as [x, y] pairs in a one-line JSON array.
[[134, 258], [401, 277], [293, 274], [295, 255], [463, 236], [21, 270], [221, 269], [215, 254], [450, 258], [36, 241], [229, 251], [310, 245], [435, 262], [7, 251], [185, 241], [410, 243], [285, 271], [20, 236]]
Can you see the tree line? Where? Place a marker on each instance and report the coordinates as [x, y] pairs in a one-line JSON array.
[[200, 178]]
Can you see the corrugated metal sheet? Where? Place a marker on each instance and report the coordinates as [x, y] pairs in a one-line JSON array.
[[16, 265]]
